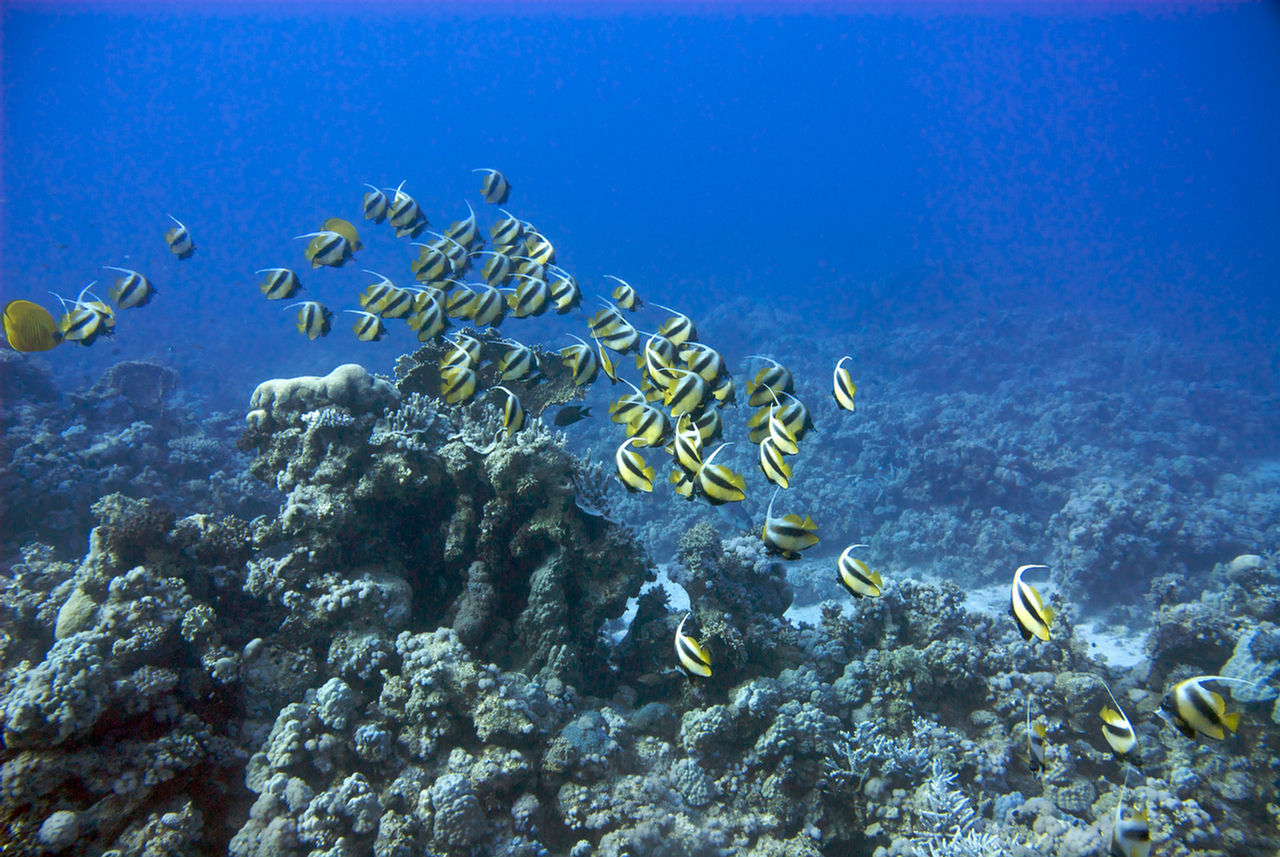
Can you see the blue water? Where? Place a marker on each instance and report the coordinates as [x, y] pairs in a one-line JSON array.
[[855, 166]]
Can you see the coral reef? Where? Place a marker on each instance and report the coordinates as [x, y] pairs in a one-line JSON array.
[[410, 656]]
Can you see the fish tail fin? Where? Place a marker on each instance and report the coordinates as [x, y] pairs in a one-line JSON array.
[[1232, 720]]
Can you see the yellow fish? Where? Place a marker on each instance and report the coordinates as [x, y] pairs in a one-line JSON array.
[[692, 657]]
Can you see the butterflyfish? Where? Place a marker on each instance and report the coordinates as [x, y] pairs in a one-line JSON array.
[[368, 327], [30, 327], [565, 294], [346, 230], [857, 577], [457, 384], [179, 239], [624, 294], [327, 247], [687, 394], [513, 413], [428, 319], [703, 359], [497, 269], [651, 426], [1117, 730], [789, 534], [843, 387], [1035, 757], [538, 248], [775, 467], [1028, 610], [464, 231], [686, 449], [130, 290], [772, 379], [518, 363], [633, 472], [679, 328], [692, 657], [718, 483], [1131, 833], [405, 214], [376, 204], [531, 296], [495, 188], [313, 319], [1200, 711], [281, 283], [507, 231], [432, 264]]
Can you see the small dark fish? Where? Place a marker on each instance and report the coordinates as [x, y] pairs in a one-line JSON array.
[[570, 414]]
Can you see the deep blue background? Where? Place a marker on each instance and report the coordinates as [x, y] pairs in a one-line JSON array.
[[933, 165]]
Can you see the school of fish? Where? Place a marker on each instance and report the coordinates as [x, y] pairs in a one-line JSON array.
[[672, 408]]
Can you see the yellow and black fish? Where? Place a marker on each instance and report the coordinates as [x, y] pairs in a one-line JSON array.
[[1035, 756], [386, 298], [376, 204], [30, 327], [565, 294], [857, 577], [327, 248], [406, 215], [495, 187], [457, 384], [724, 392], [1028, 610], [686, 449], [769, 382], [687, 395], [683, 483], [497, 270], [280, 283], [465, 231], [85, 321], [718, 483], [624, 294], [650, 426], [703, 359], [1130, 833], [368, 327], [130, 290], [531, 296], [709, 424], [781, 435], [581, 360], [789, 534], [1199, 711], [507, 232], [518, 363], [346, 230], [633, 472], [679, 328], [429, 318], [538, 248], [629, 407], [465, 352], [692, 657], [432, 265], [843, 387], [490, 306], [313, 319], [775, 467], [179, 240], [513, 413]]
